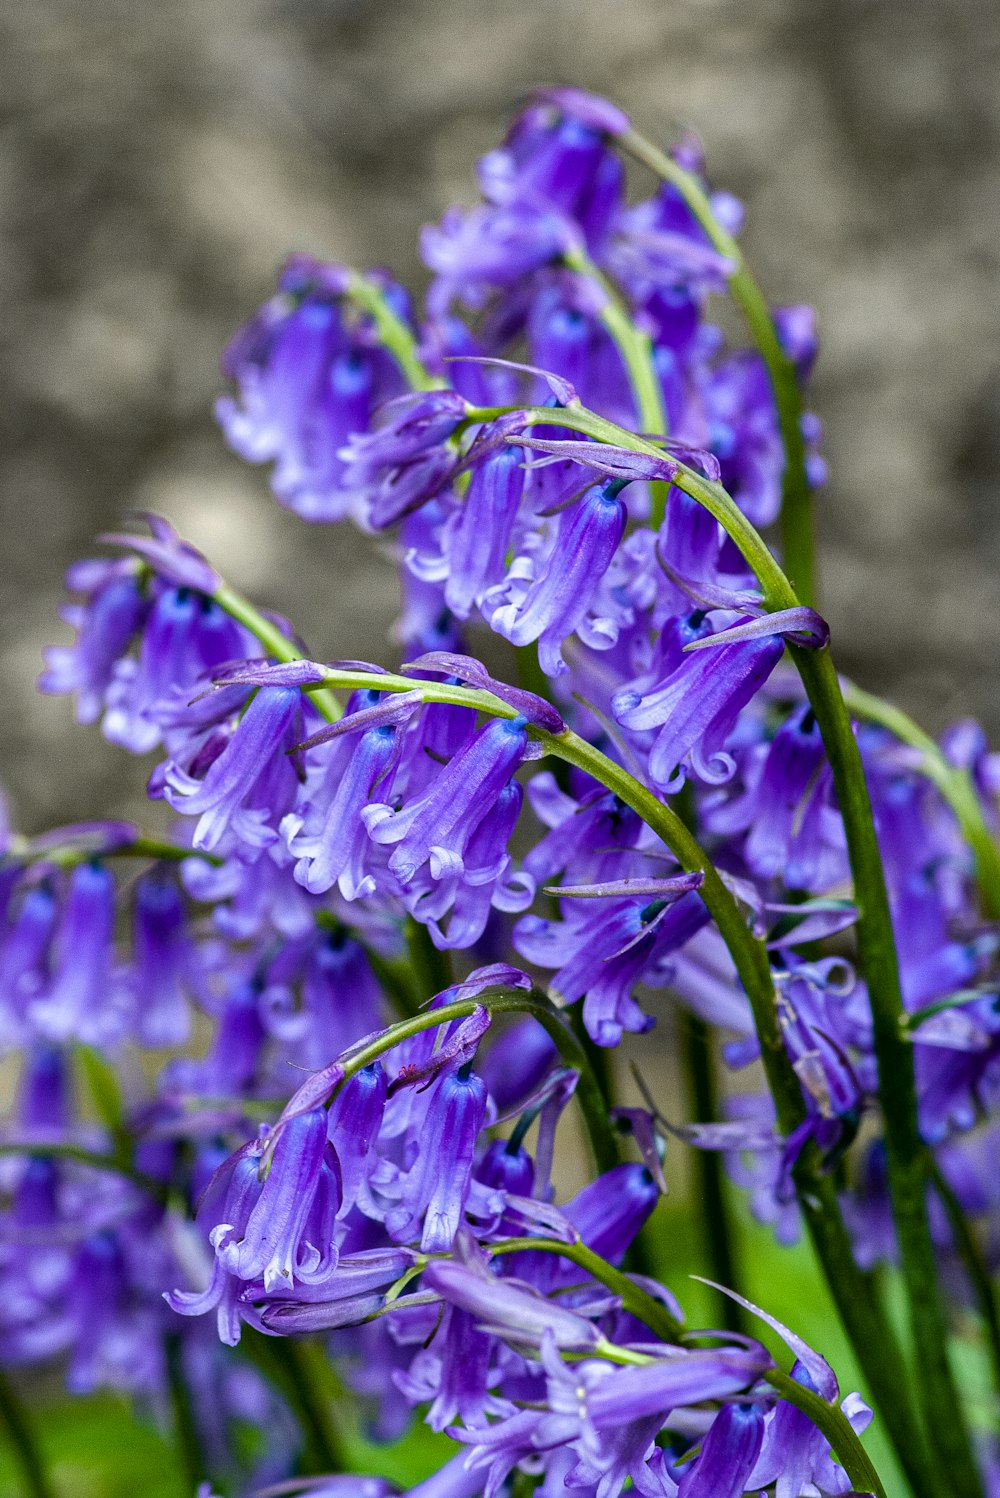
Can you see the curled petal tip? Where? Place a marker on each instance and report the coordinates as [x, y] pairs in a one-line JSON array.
[[615, 462], [561, 388], [802, 626], [168, 554], [590, 109], [532, 707]]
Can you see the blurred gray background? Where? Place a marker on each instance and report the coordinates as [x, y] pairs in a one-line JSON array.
[[158, 160]]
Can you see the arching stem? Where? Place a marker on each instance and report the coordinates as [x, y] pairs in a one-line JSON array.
[[796, 500], [831, 1420], [509, 1001], [942, 1409], [272, 639], [643, 1306]]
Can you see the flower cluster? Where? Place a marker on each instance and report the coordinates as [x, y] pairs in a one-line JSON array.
[[400, 943]]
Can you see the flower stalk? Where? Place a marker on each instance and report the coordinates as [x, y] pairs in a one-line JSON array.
[[832, 1421], [876, 943], [796, 501], [15, 1420], [513, 1001], [877, 1351], [273, 640], [653, 1313]]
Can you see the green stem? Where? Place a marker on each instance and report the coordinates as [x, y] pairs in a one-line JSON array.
[[430, 968], [300, 1370], [796, 499], [14, 1417], [876, 943], [715, 1221], [186, 1435], [272, 639], [943, 1414], [975, 1268], [393, 333], [955, 786], [869, 1331], [636, 350], [651, 1312], [831, 1420], [512, 1001]]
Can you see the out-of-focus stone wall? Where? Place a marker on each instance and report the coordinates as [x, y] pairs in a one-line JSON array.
[[158, 159]]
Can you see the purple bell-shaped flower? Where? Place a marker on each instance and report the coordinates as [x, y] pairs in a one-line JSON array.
[[549, 601]]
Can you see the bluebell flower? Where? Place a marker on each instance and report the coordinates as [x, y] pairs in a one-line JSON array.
[[965, 745], [600, 958], [554, 184], [273, 1207], [436, 828], [355, 1292], [793, 830], [745, 435], [185, 636], [271, 1243], [957, 1056], [692, 709], [162, 962], [82, 1001], [453, 1372], [558, 156], [568, 337], [796, 330], [425, 621], [325, 833], [43, 1099], [454, 893], [478, 533], [25, 940], [354, 1120], [507, 1166], [436, 1189], [407, 457], [508, 1307], [550, 601], [474, 250], [453, 1480], [688, 544], [595, 836], [111, 612], [607, 1215], [340, 994], [223, 799], [817, 1040], [793, 1452], [610, 1416], [308, 379], [234, 1059], [117, 1334], [659, 245], [728, 1455], [167, 554], [609, 1212]]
